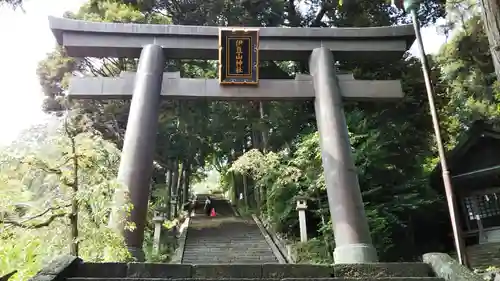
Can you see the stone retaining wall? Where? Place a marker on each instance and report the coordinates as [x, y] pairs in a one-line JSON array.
[[256, 271]]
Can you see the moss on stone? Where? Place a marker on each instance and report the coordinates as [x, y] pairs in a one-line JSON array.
[[58, 269], [449, 269], [379, 270]]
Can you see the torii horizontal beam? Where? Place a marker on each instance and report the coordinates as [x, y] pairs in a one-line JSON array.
[[97, 39], [175, 87]]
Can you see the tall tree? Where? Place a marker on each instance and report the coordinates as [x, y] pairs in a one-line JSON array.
[[490, 11], [12, 3]]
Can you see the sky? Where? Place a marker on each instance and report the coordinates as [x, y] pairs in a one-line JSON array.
[[26, 39]]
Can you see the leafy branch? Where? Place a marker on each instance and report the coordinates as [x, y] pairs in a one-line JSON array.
[[47, 222]]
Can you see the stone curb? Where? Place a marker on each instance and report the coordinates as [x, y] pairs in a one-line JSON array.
[[58, 269], [280, 244], [179, 252], [123, 271], [277, 253], [449, 269], [259, 279], [235, 211]]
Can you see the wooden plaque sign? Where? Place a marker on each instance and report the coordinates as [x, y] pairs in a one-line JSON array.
[[239, 56]]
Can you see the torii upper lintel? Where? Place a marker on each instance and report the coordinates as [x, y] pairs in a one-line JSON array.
[[99, 39]]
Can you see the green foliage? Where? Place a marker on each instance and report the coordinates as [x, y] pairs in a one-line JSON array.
[[168, 243], [468, 73], [12, 3], [393, 150], [313, 251], [35, 194], [289, 173]]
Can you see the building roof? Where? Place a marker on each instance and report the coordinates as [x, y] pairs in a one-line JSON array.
[[478, 131]]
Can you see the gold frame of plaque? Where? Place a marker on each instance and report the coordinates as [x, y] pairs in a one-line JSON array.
[[239, 56]]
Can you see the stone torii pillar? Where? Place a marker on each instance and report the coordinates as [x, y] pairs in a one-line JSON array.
[[353, 243], [136, 164]]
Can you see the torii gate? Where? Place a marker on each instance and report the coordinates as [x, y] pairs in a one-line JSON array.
[[156, 43]]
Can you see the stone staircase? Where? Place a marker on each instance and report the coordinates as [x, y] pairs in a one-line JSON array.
[[225, 239], [484, 255]]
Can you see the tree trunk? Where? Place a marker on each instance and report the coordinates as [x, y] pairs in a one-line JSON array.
[[490, 12], [178, 191], [256, 143], [168, 195], [175, 181], [234, 190], [74, 202], [180, 198], [264, 144], [264, 131], [244, 177], [185, 191], [245, 190], [237, 182]]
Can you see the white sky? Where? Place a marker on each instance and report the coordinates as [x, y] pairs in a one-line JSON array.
[[26, 38]]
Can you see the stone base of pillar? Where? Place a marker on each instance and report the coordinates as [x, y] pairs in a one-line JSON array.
[[137, 254], [355, 253]]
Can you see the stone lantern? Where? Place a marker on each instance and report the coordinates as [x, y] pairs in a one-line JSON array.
[[301, 208], [158, 219]]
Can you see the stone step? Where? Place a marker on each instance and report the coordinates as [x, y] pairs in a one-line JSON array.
[[228, 244], [220, 236], [252, 241], [227, 250], [250, 232], [240, 258], [261, 279], [253, 271], [483, 255], [211, 251], [229, 255], [233, 248], [223, 260], [227, 237]]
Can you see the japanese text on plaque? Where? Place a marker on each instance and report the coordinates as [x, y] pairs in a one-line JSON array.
[[238, 62], [238, 56]]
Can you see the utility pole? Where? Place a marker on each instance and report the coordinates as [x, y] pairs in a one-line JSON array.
[[412, 7]]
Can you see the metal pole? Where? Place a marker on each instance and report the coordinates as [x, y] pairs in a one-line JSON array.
[[450, 197]]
